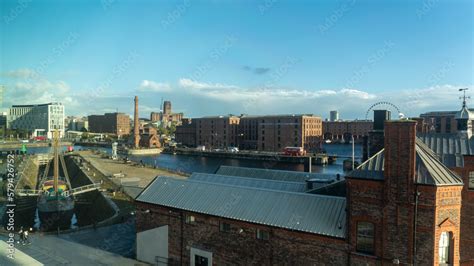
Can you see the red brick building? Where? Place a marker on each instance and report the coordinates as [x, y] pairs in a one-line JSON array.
[[263, 133], [115, 123], [409, 202], [344, 130], [402, 206]]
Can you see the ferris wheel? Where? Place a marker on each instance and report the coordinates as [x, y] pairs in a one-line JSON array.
[[386, 104]]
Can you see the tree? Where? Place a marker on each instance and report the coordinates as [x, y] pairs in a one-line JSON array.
[[85, 136]]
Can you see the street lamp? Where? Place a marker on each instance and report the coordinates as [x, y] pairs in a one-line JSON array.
[[353, 151]]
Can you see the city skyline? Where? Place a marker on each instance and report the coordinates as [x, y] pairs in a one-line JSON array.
[[417, 56]]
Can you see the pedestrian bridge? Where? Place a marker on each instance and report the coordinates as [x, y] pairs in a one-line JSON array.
[[74, 191]]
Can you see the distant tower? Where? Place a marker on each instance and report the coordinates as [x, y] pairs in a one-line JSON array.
[[464, 117], [333, 116], [167, 108], [136, 125]]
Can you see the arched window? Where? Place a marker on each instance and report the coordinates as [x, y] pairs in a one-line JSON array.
[[445, 247], [365, 237]]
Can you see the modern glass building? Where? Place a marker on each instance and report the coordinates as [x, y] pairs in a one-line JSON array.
[[38, 119]]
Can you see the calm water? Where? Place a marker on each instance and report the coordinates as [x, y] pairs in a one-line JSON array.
[[191, 164]]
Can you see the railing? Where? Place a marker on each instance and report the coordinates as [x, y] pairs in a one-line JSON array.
[[83, 189], [67, 193], [27, 192]]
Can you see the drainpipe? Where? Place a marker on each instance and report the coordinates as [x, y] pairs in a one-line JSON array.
[[182, 239], [415, 219]]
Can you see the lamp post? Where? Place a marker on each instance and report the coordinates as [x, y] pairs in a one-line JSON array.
[[353, 152]]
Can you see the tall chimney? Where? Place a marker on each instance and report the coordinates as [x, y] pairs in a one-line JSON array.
[[400, 158], [136, 126]]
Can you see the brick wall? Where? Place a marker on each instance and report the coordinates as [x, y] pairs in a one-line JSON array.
[[284, 247], [448, 219], [467, 213]]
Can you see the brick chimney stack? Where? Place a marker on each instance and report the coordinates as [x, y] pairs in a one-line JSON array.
[[399, 188], [136, 125], [400, 157]]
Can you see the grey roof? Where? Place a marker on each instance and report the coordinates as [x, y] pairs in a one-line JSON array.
[[370, 169], [250, 182], [338, 188], [429, 169], [324, 215], [292, 176], [449, 147]]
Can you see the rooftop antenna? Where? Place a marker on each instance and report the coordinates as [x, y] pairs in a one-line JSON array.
[[464, 97]]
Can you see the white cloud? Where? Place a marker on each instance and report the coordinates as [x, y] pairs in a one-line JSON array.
[[191, 84], [148, 85], [28, 88], [22, 73]]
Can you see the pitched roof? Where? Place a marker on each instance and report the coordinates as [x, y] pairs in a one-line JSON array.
[[429, 169], [370, 169], [324, 215], [449, 147], [250, 182], [292, 176]]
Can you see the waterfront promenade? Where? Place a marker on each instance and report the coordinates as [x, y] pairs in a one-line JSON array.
[[110, 167]]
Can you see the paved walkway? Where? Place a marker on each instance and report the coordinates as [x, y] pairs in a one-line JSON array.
[[51, 250], [109, 167], [19, 257]]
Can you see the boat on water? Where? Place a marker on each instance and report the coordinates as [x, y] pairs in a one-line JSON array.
[[55, 202], [328, 141]]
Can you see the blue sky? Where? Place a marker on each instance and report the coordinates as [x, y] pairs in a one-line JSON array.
[[221, 57]]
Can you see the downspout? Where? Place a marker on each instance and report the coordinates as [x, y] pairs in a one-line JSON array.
[[182, 239], [415, 219]]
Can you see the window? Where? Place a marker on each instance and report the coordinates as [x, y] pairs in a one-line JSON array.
[[365, 237], [224, 227], [445, 249], [471, 180], [190, 219], [262, 234], [200, 260]]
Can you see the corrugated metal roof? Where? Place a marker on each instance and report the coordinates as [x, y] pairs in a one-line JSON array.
[[250, 182], [429, 169], [449, 147], [370, 169], [292, 176], [324, 215]]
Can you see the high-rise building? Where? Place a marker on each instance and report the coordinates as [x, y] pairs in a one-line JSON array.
[[333, 116], [167, 108], [114, 123], [37, 119]]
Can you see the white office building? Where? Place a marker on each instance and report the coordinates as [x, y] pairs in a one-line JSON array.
[[38, 119]]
